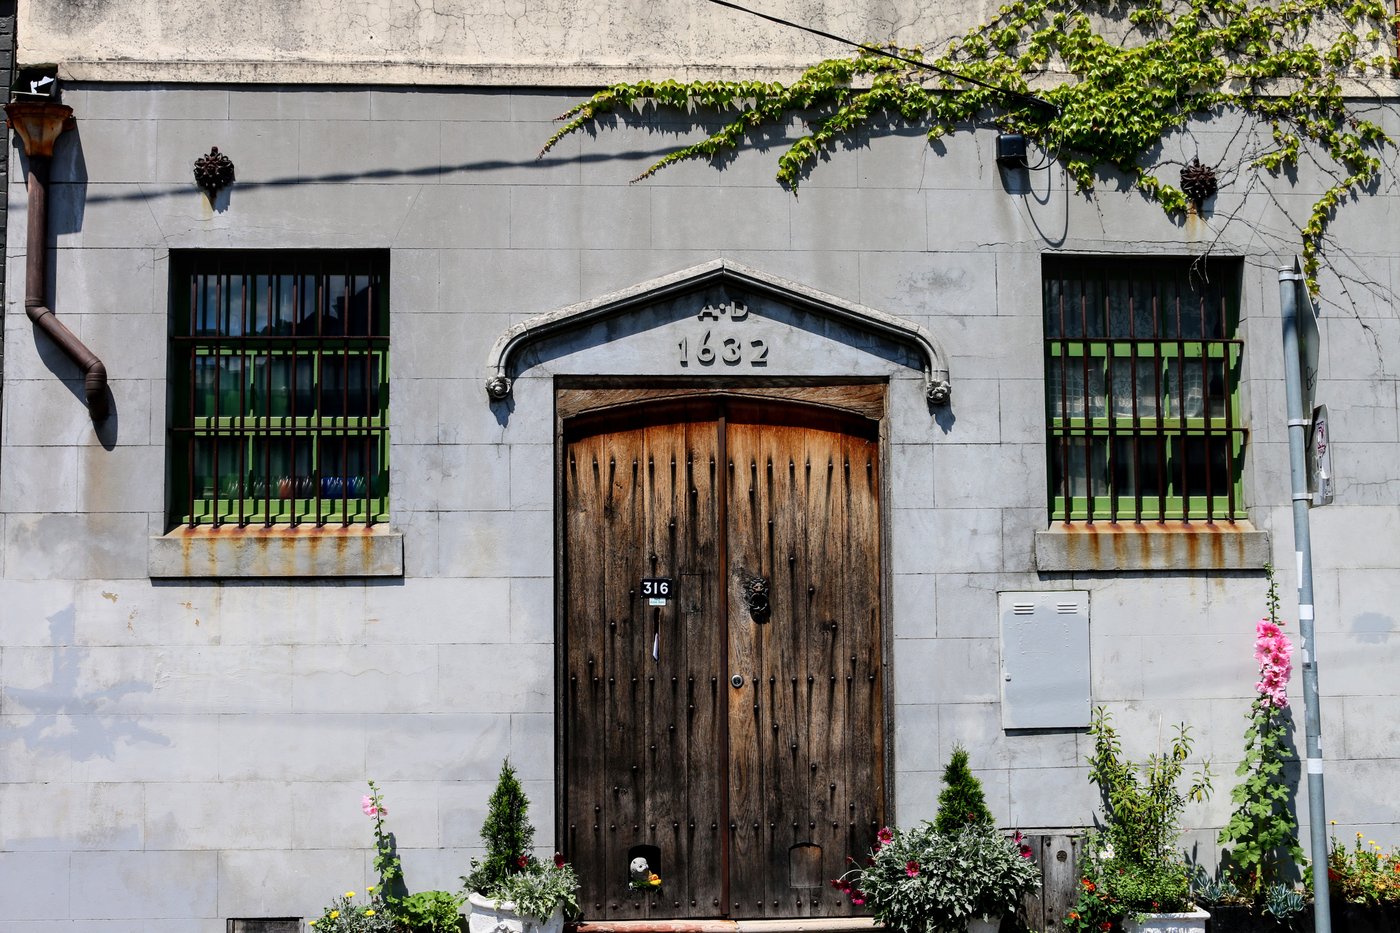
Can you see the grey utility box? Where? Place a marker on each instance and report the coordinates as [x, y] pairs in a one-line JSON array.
[[1044, 660]]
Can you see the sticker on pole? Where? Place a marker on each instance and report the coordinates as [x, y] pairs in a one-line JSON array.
[[1320, 459]]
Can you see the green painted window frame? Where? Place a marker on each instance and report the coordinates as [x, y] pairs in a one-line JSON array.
[[279, 388], [1142, 376]]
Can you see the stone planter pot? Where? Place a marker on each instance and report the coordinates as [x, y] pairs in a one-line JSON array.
[[1193, 921], [486, 917], [1365, 918], [1239, 918]]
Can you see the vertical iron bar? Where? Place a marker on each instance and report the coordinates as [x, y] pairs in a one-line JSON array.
[[345, 401], [294, 434], [193, 435], [1136, 416], [243, 440], [1183, 489], [218, 503], [1063, 433], [317, 423], [267, 409], [370, 396], [1159, 398], [1206, 345], [1088, 407], [1110, 453], [1230, 396]]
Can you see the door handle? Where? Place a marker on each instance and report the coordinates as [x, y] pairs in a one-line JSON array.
[[756, 596], [737, 680]]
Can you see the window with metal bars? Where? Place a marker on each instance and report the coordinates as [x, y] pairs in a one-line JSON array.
[[1142, 370], [279, 397]]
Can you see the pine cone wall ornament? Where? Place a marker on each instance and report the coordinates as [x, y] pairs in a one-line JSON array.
[[1198, 182], [213, 172]]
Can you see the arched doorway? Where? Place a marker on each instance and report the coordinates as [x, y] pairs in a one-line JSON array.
[[731, 730]]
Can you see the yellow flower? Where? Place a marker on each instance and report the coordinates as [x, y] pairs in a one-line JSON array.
[[311, 923], [369, 890], [369, 913], [334, 914], [349, 893], [654, 879]]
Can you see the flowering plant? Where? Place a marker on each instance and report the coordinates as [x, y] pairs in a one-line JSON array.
[[1131, 865], [1263, 830], [390, 908], [924, 881], [346, 916], [1364, 874], [538, 889]]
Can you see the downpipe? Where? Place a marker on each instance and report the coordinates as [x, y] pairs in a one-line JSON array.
[[38, 125]]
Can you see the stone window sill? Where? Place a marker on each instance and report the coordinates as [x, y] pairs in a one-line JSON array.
[[331, 551], [1151, 546]]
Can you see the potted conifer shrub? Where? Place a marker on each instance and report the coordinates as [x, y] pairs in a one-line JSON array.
[[511, 890]]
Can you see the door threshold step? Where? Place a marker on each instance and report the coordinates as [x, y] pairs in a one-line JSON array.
[[793, 925]]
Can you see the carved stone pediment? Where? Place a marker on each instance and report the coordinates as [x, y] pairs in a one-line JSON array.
[[721, 319]]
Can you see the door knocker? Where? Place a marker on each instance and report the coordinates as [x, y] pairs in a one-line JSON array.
[[756, 597]]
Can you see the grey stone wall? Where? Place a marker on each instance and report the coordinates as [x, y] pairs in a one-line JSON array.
[[176, 752]]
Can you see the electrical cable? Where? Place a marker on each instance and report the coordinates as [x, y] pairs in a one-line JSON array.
[[887, 53]]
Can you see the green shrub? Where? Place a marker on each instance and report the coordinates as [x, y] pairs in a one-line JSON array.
[[507, 833], [961, 802], [432, 912]]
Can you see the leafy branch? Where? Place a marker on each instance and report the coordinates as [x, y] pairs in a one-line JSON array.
[[1109, 97]]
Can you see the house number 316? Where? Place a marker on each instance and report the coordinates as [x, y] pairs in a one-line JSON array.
[[728, 350]]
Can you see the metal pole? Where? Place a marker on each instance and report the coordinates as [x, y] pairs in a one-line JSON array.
[[1288, 279]]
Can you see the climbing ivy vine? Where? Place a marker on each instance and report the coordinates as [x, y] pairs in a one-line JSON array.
[[1095, 83]]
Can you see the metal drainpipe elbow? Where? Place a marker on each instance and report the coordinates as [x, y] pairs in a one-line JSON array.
[[38, 125]]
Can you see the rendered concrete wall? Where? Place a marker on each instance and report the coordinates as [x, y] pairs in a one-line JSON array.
[[560, 43], [173, 753]]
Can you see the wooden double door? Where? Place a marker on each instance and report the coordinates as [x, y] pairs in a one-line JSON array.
[[730, 732]]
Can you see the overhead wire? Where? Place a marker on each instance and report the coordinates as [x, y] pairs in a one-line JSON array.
[[889, 53]]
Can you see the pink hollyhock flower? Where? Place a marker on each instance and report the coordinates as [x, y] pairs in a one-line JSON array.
[[911, 869], [1274, 653], [367, 804]]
